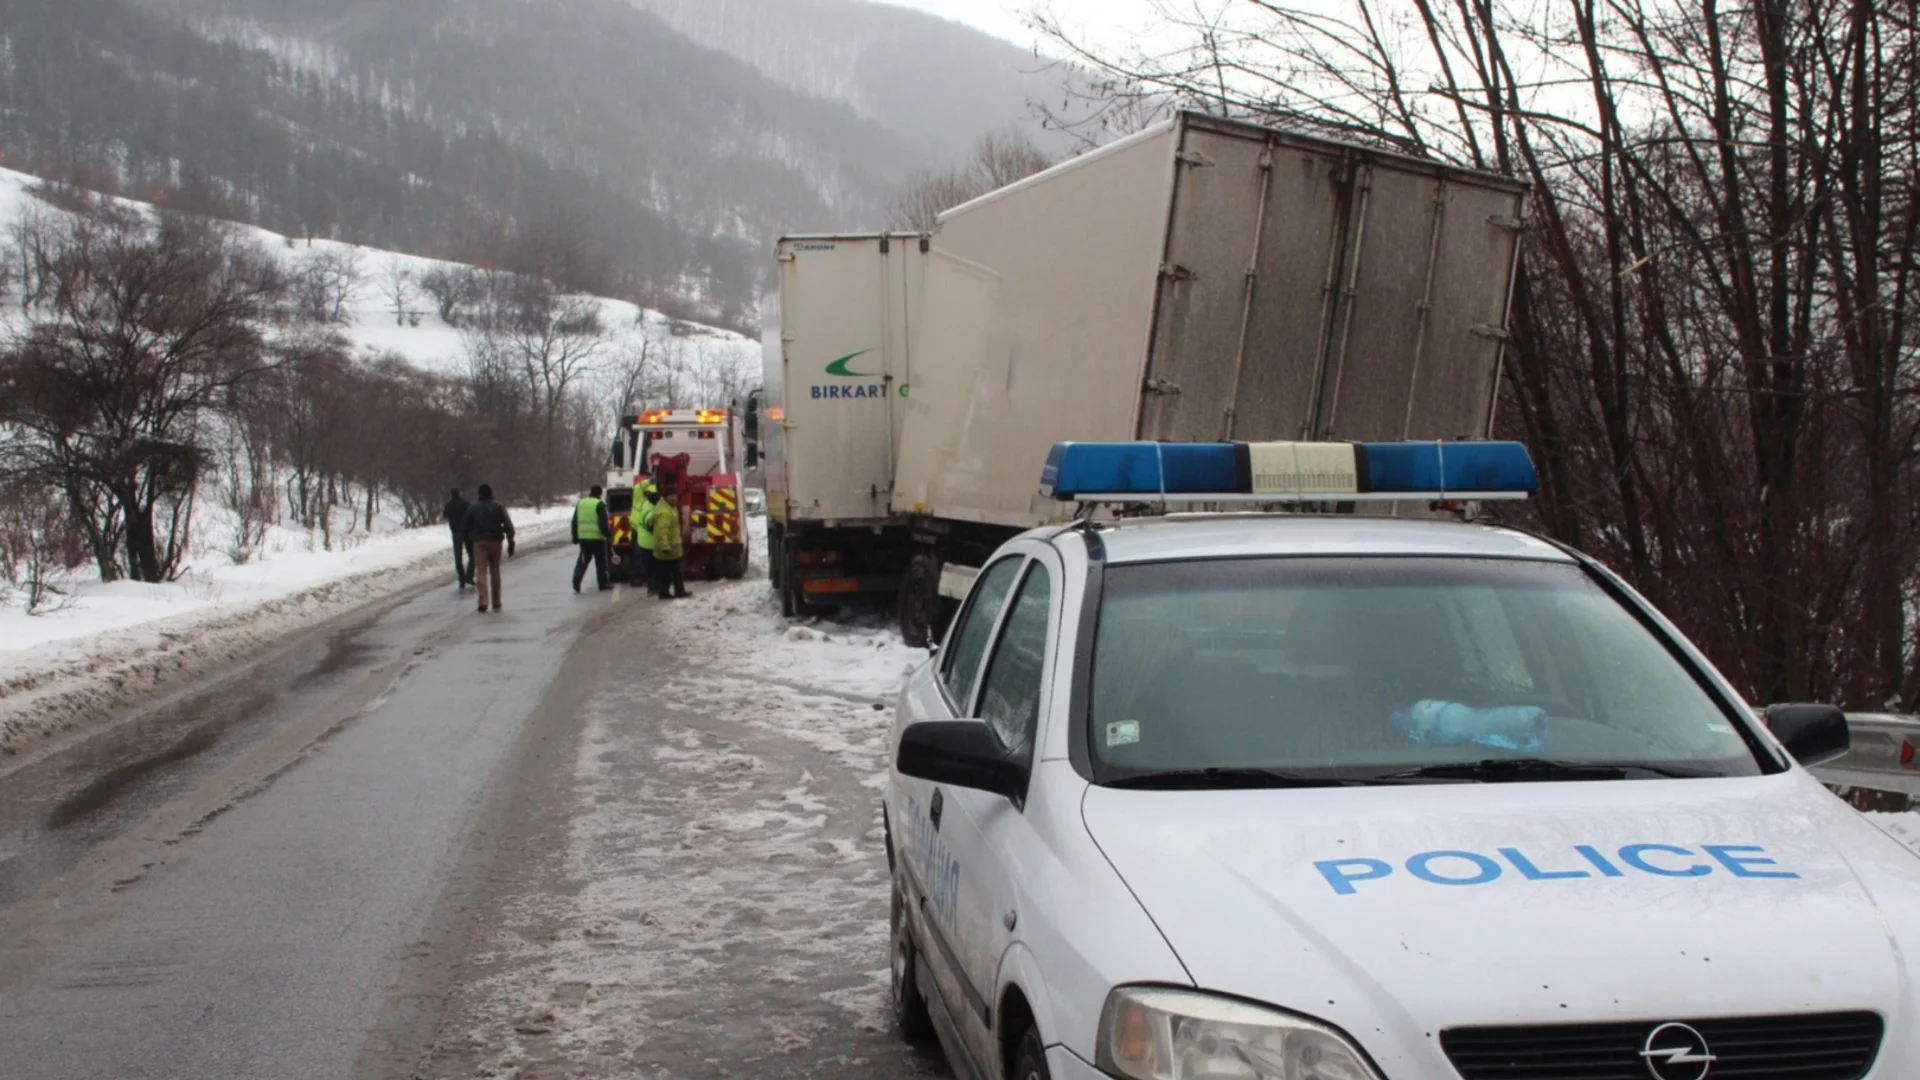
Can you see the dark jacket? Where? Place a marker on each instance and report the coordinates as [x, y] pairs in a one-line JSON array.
[[456, 515], [488, 520], [606, 523]]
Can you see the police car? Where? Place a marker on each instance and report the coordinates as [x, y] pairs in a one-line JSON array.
[[1296, 797]]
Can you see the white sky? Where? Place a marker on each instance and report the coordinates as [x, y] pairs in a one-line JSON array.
[[1109, 22]]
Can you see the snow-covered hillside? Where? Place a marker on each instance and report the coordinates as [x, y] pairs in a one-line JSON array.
[[423, 338]]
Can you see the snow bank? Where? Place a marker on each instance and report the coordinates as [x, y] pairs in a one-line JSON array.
[[111, 644]]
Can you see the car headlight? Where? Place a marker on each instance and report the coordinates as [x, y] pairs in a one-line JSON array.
[[1153, 1034]]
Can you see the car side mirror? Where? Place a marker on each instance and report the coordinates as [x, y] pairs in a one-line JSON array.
[[1813, 734], [960, 753]]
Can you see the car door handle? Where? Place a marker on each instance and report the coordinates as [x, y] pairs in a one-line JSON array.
[[934, 808]]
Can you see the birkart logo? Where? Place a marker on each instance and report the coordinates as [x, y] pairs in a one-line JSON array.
[[843, 368]]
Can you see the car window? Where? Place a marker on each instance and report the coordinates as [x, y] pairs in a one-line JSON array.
[[971, 633], [1010, 698], [1359, 666]]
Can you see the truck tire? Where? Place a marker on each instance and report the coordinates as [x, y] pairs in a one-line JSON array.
[[920, 601], [734, 564], [776, 558]]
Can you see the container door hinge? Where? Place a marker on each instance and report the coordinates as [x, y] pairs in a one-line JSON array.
[[1176, 272], [1194, 158], [1507, 221], [1489, 330], [886, 246], [785, 256], [1160, 384]]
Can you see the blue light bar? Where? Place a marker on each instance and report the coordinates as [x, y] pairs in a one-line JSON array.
[[1287, 472]]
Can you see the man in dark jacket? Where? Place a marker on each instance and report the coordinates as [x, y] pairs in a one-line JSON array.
[[591, 530], [456, 518], [488, 526]]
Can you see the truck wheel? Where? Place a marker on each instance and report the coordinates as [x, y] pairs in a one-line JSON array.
[[776, 559], [734, 565], [920, 601]]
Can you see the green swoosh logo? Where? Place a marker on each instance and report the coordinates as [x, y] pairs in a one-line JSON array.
[[839, 367]]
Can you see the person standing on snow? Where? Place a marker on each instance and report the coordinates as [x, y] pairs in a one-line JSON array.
[[487, 527], [642, 518], [667, 547], [456, 518], [591, 528]]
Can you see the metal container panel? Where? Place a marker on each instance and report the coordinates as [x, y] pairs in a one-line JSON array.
[[1354, 306], [838, 365], [1042, 299]]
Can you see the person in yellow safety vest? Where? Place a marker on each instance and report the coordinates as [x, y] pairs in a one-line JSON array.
[[645, 503], [591, 531], [667, 547]]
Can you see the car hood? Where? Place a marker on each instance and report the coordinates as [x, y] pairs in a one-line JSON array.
[[1398, 912]]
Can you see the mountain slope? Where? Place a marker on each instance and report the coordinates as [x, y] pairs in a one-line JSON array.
[[585, 139], [933, 83]]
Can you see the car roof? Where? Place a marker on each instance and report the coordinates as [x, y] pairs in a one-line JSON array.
[[1176, 537]]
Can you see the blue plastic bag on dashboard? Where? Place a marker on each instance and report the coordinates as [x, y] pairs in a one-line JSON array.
[[1449, 723]]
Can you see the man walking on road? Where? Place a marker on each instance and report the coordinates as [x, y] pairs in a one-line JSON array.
[[667, 548], [456, 518], [591, 530], [487, 527]]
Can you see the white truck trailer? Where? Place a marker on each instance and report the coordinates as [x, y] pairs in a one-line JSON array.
[[1204, 280]]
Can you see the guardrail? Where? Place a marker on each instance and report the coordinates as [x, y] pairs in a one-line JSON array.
[[1882, 770]]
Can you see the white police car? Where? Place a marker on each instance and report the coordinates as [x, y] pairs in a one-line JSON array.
[[1327, 798]]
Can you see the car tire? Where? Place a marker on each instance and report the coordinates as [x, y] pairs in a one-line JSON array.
[[910, 1010], [1029, 1057]]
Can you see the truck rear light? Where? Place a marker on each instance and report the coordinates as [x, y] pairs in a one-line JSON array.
[[832, 585]]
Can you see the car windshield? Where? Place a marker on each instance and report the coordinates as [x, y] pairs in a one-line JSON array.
[[1391, 669]]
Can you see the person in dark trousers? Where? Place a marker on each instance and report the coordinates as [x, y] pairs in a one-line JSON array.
[[456, 518], [488, 527], [668, 549], [591, 530]]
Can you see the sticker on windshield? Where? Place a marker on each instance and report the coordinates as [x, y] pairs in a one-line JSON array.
[[1123, 733]]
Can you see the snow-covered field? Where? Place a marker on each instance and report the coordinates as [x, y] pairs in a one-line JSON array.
[[428, 342]]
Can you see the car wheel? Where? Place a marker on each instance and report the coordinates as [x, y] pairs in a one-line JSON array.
[[909, 1005], [1030, 1059]]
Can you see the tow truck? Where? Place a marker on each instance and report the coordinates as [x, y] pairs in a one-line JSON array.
[[696, 452]]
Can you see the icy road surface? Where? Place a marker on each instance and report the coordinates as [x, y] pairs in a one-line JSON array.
[[710, 899], [593, 836]]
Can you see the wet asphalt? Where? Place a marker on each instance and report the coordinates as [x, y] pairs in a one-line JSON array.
[[318, 866], [232, 886]]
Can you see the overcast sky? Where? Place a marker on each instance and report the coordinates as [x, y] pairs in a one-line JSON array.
[[1105, 21]]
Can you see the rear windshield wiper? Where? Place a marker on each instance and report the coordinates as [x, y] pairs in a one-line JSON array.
[[1494, 770], [1201, 779]]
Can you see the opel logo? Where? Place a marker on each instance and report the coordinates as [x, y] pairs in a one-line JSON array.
[[1677, 1052]]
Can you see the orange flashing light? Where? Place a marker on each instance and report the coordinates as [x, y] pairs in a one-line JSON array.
[[712, 416], [656, 416]]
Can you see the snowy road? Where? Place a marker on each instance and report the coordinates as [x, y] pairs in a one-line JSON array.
[[423, 842]]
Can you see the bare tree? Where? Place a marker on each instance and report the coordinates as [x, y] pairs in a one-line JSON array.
[[398, 288], [326, 284], [1714, 333], [146, 330], [998, 159]]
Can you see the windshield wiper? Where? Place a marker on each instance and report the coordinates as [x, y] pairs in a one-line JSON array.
[[1517, 770], [1202, 779]]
